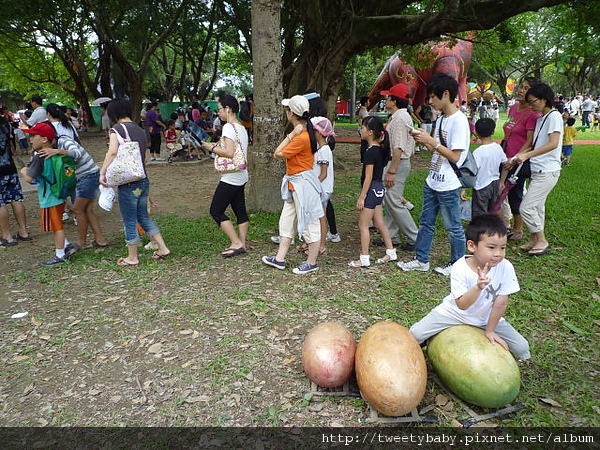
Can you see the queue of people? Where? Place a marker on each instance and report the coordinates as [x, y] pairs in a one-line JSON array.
[[533, 137]]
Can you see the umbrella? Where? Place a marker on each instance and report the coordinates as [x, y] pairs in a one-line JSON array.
[[508, 185], [101, 100]]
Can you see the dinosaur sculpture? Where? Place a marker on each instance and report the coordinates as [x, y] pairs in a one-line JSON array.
[[450, 58]]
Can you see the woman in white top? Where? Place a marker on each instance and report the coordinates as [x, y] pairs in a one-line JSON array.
[[61, 122], [230, 190], [544, 158]]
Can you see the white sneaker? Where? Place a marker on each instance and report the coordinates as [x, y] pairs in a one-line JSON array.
[[413, 264], [152, 245], [333, 237], [65, 216], [161, 159], [444, 270]]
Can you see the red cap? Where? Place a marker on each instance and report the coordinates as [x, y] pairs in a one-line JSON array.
[[398, 90], [43, 129]]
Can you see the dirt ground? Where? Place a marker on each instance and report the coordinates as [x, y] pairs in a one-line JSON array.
[[110, 349]]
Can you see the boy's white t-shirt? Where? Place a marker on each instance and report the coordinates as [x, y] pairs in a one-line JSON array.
[[550, 161], [241, 177], [456, 132], [19, 133], [324, 156], [488, 158], [463, 278]]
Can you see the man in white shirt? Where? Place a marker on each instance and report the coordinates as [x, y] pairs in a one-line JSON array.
[[39, 112], [441, 192], [398, 217], [587, 107]]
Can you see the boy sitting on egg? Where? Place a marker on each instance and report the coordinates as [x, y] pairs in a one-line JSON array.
[[480, 285]]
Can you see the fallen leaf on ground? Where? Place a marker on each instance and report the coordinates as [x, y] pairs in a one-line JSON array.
[[200, 398], [36, 322], [112, 299], [550, 402], [456, 423], [20, 358], [155, 348], [441, 400]]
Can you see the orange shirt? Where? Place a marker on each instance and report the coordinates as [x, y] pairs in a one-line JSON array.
[[298, 155]]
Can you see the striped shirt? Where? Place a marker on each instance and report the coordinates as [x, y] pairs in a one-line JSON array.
[[84, 164]]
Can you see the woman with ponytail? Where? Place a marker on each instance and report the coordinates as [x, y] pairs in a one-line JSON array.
[[300, 189], [61, 122]]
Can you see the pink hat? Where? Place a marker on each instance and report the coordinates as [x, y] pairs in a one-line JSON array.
[[323, 126], [399, 90]]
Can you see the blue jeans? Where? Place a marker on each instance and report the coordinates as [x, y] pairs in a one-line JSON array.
[[449, 203], [133, 204]]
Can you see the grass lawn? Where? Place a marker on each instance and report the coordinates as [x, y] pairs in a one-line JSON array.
[[200, 340]]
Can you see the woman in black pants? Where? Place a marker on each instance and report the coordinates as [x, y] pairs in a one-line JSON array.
[[230, 190]]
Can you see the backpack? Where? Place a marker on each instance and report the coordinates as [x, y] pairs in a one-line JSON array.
[[60, 175], [467, 171], [245, 112]]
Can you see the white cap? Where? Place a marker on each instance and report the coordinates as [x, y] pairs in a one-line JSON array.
[[298, 104]]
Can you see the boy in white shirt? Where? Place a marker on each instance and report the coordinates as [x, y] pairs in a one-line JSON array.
[[480, 285], [441, 192], [488, 157]]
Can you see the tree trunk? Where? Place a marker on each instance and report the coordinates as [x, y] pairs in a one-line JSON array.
[[265, 171]]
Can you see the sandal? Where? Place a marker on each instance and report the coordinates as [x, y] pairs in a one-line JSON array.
[[357, 265], [229, 252], [515, 235], [124, 263], [538, 251], [157, 256], [21, 238], [302, 247], [385, 259], [95, 244], [5, 243]]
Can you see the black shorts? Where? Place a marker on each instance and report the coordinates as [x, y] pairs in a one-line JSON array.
[[375, 194]]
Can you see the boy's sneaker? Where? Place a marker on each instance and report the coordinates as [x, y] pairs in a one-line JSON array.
[[333, 237], [75, 220], [444, 270], [305, 268], [152, 245], [271, 261], [70, 250], [54, 261], [65, 216], [413, 264]]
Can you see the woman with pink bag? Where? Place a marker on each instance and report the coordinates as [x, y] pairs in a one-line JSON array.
[[133, 196]]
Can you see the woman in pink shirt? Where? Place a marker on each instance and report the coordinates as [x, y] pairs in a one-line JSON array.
[[518, 135]]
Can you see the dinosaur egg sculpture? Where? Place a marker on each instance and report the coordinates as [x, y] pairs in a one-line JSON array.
[[390, 369], [476, 370], [328, 354]]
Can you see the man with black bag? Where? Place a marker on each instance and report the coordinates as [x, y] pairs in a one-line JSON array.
[[442, 186]]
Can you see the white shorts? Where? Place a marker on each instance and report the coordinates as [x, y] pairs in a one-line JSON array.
[[288, 223]]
